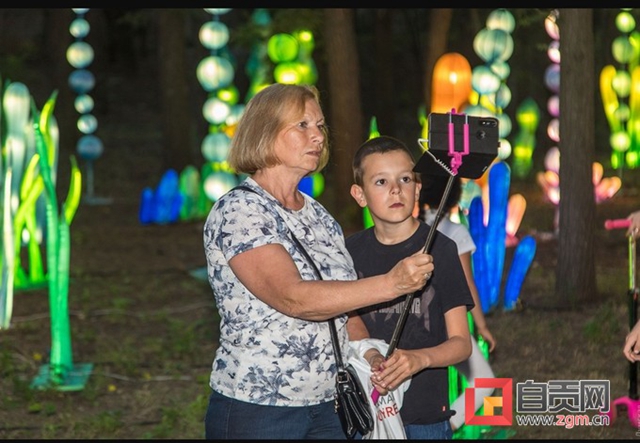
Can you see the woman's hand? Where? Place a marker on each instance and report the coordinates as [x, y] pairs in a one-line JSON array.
[[411, 273]]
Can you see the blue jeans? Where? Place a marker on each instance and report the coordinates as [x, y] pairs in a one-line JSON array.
[[227, 418], [433, 431]]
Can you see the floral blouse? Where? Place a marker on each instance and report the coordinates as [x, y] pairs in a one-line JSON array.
[[264, 356]]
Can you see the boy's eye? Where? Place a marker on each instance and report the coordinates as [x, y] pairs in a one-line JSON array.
[[382, 181], [406, 179]]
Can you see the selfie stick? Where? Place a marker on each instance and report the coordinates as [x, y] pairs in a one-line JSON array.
[[630, 402], [456, 162]]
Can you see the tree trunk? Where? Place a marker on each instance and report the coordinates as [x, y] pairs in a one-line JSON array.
[[385, 99], [345, 120], [575, 271], [178, 149], [439, 24]]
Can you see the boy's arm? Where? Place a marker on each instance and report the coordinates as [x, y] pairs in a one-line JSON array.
[[403, 363], [457, 347]]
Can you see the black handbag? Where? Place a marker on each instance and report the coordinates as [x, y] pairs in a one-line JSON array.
[[351, 403]]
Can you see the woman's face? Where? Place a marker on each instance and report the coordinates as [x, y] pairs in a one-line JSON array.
[[299, 144]]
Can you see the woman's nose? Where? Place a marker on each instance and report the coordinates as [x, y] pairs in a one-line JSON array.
[[317, 136]]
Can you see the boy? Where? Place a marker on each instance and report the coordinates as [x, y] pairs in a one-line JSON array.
[[436, 333]]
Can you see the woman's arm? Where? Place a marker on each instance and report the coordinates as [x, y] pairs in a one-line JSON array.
[[270, 274]]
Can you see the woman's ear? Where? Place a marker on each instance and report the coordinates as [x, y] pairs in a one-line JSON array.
[[358, 195]]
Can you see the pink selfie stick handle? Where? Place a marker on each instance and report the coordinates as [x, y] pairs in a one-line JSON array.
[[619, 223], [375, 395]]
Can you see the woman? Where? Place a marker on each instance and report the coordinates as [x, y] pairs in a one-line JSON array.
[[273, 375]]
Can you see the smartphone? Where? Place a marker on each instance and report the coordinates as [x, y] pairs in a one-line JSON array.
[[484, 142]]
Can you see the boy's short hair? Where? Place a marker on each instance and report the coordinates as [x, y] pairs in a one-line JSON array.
[[376, 145]]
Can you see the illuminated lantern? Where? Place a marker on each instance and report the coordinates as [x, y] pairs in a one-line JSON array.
[[214, 35], [501, 19], [282, 48], [451, 83], [214, 72], [219, 183], [484, 80], [522, 259], [80, 54], [493, 44]]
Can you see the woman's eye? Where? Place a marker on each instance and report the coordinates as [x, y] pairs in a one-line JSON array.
[[303, 124]]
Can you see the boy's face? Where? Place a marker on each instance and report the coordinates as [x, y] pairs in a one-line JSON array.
[[388, 186]]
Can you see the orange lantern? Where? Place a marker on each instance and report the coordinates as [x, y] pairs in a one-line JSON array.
[[451, 85]]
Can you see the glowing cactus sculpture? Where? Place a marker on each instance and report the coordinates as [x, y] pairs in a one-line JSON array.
[[491, 240]]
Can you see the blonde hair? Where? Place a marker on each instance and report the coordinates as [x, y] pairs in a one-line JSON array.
[[266, 114]]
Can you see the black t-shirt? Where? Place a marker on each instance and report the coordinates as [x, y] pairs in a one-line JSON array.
[[427, 399]]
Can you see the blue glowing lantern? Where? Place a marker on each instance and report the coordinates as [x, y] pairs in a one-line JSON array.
[[522, 259], [81, 81], [89, 147]]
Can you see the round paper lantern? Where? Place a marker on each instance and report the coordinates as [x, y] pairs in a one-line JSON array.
[[219, 183], [552, 78], [282, 48], [625, 22], [215, 111], [621, 83], [551, 25], [622, 49], [620, 141], [79, 28], [80, 54], [501, 68], [501, 19], [622, 112], [87, 124], [214, 72], [503, 96], [81, 81], [89, 147], [553, 51], [553, 106], [215, 147], [213, 35], [287, 73], [83, 103], [553, 130], [493, 44], [484, 80]]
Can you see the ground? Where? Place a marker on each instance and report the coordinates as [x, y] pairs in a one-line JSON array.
[[147, 324]]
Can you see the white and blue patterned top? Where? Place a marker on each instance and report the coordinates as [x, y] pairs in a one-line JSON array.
[[264, 356]]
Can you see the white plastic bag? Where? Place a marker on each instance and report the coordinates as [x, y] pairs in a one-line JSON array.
[[388, 424]]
